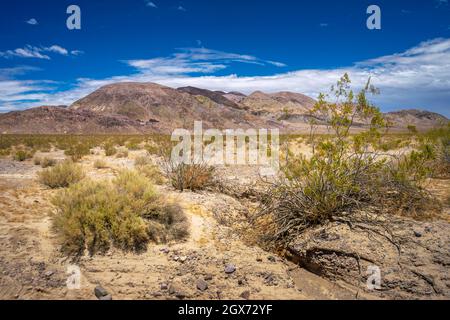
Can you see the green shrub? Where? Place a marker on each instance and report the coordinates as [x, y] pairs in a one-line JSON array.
[[126, 213], [78, 151], [22, 155], [62, 175], [110, 149], [344, 174]]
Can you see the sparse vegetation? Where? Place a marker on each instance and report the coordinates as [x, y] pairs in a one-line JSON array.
[[192, 177], [126, 213], [62, 175], [122, 153]]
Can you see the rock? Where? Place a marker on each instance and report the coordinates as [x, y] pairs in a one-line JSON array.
[[229, 269], [202, 285], [164, 250], [172, 289], [164, 286], [208, 277], [100, 292], [107, 297], [183, 259], [417, 234], [48, 274], [271, 259], [245, 295], [259, 259]]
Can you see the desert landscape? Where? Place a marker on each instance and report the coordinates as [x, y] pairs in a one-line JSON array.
[[90, 187]]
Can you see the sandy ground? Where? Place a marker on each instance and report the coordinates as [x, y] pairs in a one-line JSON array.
[[32, 267]]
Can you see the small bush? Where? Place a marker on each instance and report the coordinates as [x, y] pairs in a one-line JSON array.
[[142, 161], [46, 162], [78, 151], [122, 153], [192, 177], [62, 175], [22, 155], [126, 213], [110, 149], [153, 173], [100, 164]]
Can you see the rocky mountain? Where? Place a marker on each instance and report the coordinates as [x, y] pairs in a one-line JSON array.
[[414, 117], [148, 107], [50, 120]]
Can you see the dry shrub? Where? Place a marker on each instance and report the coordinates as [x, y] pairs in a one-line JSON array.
[[100, 164], [142, 161], [44, 162], [62, 175], [110, 149], [192, 177], [122, 153], [126, 213]]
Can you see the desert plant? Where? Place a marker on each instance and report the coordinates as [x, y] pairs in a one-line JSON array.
[[22, 155], [126, 213], [192, 177], [110, 149], [122, 153], [62, 175], [100, 164], [344, 173], [78, 151]]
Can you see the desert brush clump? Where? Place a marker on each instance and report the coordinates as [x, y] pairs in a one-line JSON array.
[[22, 155], [100, 164], [345, 172], [193, 177], [44, 162], [126, 213], [61, 175]]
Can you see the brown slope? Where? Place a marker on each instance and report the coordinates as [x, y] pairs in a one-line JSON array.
[[170, 107], [419, 118], [216, 96], [58, 120], [287, 106]]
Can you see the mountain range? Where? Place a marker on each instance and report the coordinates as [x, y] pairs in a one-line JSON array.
[[143, 108]]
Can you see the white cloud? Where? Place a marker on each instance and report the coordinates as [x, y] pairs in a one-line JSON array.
[[324, 25], [151, 4], [36, 52], [416, 78], [181, 8], [195, 60], [32, 21]]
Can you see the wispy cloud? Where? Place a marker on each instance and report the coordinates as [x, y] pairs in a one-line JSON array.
[[150, 4], [181, 8], [416, 78], [323, 25], [36, 52], [32, 21], [195, 60], [440, 3]]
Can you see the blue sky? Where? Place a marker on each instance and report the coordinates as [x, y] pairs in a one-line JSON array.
[[244, 45]]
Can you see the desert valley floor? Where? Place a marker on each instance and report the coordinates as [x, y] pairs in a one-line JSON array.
[[32, 266]]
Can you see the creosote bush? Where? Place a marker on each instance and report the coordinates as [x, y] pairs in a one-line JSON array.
[[192, 177], [44, 162], [345, 172], [22, 155], [62, 175], [125, 213]]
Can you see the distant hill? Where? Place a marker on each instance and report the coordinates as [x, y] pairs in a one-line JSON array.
[[149, 107]]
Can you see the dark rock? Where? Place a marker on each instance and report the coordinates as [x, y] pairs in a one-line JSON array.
[[208, 277], [100, 292], [229, 269], [164, 286], [272, 259], [245, 295], [202, 285], [418, 234]]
